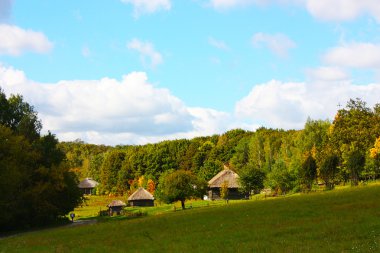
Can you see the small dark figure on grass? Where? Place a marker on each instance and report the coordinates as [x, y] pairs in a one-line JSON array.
[[72, 216]]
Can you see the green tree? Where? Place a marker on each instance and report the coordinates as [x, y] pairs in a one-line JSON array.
[[179, 186], [241, 157], [280, 179], [35, 184], [258, 154], [209, 170], [16, 161], [353, 132], [329, 169], [251, 179], [111, 166], [355, 164], [308, 172], [226, 144], [23, 119], [96, 162], [314, 135]]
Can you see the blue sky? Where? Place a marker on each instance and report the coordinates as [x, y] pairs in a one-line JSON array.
[[138, 71]]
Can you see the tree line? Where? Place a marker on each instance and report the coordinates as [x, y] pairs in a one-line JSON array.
[[324, 152]]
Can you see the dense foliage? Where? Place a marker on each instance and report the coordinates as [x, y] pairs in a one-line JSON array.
[[325, 153], [251, 179], [36, 186]]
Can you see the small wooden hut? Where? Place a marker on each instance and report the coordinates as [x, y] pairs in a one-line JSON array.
[[141, 197], [232, 179], [116, 206], [87, 185]]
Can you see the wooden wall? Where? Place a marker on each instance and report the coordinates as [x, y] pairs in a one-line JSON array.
[[233, 193]]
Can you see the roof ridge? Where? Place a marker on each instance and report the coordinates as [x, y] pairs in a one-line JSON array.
[[141, 193], [225, 175]]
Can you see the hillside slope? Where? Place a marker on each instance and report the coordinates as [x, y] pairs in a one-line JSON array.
[[337, 221]]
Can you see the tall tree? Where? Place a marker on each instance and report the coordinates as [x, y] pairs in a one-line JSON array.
[[308, 172], [329, 169], [23, 118], [353, 132], [373, 161], [16, 162], [355, 162], [36, 185], [110, 169], [281, 179], [241, 157], [251, 179], [179, 186]]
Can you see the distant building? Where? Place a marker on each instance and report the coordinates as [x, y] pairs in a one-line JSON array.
[[87, 185], [215, 184], [116, 206], [141, 197]]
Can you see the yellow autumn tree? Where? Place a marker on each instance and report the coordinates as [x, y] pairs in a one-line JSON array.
[[151, 186], [141, 181], [224, 190], [313, 152], [375, 151]]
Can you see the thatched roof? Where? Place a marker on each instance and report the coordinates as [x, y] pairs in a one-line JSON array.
[[225, 175], [141, 194], [88, 183], [116, 203]]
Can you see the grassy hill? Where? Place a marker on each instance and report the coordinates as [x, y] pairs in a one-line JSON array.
[[338, 221]]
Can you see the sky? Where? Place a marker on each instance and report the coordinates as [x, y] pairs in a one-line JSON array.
[[140, 71]]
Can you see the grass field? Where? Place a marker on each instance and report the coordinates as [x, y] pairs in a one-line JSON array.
[[345, 220], [91, 207]]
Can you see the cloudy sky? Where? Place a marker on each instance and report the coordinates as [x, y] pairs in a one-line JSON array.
[[138, 71]]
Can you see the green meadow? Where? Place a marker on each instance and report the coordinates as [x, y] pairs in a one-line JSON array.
[[94, 204], [345, 220]]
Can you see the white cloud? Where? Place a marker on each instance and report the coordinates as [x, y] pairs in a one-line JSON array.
[[354, 55], [132, 111], [148, 6], [146, 50], [327, 74], [224, 4], [15, 41], [343, 10], [329, 10], [287, 105], [278, 43], [209, 121], [219, 44], [228, 4], [129, 105], [129, 111]]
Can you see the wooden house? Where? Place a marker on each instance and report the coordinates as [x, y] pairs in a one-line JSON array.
[[229, 176], [141, 197], [87, 185], [116, 206]]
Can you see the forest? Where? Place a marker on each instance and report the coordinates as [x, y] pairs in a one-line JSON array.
[[36, 185], [323, 153]]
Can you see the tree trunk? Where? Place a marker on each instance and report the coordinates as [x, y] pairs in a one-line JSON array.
[[183, 204]]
